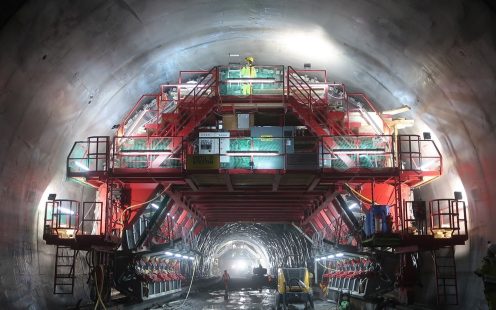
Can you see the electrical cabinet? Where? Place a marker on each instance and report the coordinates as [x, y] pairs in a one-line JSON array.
[[214, 143]]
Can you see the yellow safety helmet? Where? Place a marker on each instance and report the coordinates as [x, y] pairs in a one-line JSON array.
[[250, 59]]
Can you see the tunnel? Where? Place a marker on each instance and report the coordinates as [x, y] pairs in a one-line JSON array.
[[77, 76]]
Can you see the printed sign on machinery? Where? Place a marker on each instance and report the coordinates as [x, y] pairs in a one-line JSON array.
[[203, 162]]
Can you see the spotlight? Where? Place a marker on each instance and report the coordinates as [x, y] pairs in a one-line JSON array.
[[353, 206], [458, 196], [82, 166]]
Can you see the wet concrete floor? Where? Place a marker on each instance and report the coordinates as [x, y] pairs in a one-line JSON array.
[[244, 299]]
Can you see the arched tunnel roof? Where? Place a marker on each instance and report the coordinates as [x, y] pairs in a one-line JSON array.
[[283, 245], [69, 70]]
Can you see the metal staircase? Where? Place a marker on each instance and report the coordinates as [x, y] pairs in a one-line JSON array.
[[447, 288], [193, 108], [311, 110], [65, 260], [189, 113], [146, 224], [311, 107]]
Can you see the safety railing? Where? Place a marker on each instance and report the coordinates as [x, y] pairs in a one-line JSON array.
[[87, 156], [61, 218], [419, 155], [313, 99], [238, 80], [92, 215], [144, 114], [303, 91], [169, 98], [448, 218], [313, 82], [441, 218], [291, 153], [69, 219], [146, 152], [266, 152], [193, 107], [369, 152], [361, 103]]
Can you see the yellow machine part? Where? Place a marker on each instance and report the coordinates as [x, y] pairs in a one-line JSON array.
[[283, 285]]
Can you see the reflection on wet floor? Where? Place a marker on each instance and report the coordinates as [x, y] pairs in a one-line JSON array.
[[243, 299], [249, 299]]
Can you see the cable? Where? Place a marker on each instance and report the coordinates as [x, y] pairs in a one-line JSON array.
[[359, 196], [190, 284], [135, 206], [98, 293], [189, 289]]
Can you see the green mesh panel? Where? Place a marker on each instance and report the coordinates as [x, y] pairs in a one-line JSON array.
[[268, 145], [135, 161], [235, 89], [160, 144]]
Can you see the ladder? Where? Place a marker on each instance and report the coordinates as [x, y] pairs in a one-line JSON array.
[[447, 289], [65, 260]]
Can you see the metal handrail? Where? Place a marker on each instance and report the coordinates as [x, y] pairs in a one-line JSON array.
[[302, 82], [308, 97], [209, 81], [136, 106], [417, 139], [369, 103], [440, 209]]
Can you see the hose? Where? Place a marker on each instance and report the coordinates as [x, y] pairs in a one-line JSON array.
[[135, 206], [358, 195], [189, 289], [98, 290]]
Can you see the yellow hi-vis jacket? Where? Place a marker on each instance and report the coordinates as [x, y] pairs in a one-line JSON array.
[[248, 72]]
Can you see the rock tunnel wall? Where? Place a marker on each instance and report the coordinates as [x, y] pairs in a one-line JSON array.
[[283, 243], [69, 70]]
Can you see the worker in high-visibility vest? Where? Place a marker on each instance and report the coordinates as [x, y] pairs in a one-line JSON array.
[[487, 272], [248, 71]]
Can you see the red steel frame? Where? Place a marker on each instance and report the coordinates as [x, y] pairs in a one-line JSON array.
[[202, 99]]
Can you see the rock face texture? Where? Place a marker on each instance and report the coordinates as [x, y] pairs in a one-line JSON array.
[[69, 70]]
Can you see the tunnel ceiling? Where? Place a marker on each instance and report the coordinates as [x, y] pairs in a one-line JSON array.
[[69, 70], [280, 244]]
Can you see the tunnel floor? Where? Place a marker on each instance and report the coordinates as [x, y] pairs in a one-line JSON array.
[[245, 299]]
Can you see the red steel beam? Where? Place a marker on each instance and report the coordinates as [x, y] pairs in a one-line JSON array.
[[250, 218], [179, 202], [252, 191], [330, 195]]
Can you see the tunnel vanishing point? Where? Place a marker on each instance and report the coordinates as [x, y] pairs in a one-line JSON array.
[[141, 147]]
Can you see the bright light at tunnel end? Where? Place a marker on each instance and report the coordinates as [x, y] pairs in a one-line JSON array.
[[240, 265]]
